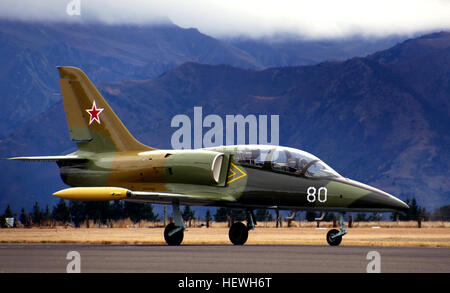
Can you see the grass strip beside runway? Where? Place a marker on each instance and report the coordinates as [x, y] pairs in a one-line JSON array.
[[367, 236]]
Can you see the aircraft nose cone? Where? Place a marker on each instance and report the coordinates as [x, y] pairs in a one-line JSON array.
[[378, 199], [383, 200], [404, 207], [397, 204]]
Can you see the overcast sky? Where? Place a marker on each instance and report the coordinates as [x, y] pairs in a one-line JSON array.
[[254, 18]]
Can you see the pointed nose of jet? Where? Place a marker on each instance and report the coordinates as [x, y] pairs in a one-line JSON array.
[[378, 199], [393, 203], [401, 205]]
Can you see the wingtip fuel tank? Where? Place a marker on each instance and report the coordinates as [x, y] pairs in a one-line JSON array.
[[93, 193]]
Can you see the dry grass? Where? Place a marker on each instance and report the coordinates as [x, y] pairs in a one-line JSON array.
[[381, 224], [432, 234]]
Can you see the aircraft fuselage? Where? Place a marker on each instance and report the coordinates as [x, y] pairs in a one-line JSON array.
[[243, 183]]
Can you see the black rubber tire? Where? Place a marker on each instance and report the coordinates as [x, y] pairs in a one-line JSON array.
[[238, 233], [333, 241], [176, 238]]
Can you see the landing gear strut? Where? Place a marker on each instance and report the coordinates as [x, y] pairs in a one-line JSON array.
[[238, 233], [174, 232], [334, 236]]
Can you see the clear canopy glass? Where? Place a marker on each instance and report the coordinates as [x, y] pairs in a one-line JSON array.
[[283, 159]]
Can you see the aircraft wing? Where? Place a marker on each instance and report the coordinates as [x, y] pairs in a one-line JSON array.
[[47, 158], [116, 193], [187, 198]]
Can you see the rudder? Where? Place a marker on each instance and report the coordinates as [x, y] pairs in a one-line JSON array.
[[92, 123]]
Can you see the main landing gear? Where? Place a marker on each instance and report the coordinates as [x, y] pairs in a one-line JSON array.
[[238, 233], [334, 236], [174, 232]]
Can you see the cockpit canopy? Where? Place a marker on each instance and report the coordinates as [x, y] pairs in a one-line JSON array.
[[283, 159]]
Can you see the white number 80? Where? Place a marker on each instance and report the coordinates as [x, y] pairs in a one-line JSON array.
[[311, 197]]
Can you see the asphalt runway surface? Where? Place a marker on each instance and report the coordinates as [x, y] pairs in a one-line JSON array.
[[34, 258]]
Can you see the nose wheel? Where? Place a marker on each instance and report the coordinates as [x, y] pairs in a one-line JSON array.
[[334, 236]]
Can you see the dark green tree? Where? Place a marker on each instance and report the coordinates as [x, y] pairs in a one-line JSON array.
[[147, 212], [36, 215], [329, 217], [188, 213], [46, 215], [374, 217], [99, 211], [208, 217], [413, 213], [221, 215], [238, 215], [310, 216], [77, 212], [8, 212], [132, 211], [262, 215], [23, 218], [418, 211], [441, 214], [61, 212], [139, 211], [361, 217], [118, 210], [414, 210]]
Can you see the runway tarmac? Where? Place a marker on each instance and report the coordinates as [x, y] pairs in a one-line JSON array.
[[221, 259]]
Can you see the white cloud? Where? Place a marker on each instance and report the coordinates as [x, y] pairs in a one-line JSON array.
[[254, 18]]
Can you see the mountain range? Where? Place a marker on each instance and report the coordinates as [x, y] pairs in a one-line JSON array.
[[30, 51], [382, 119]]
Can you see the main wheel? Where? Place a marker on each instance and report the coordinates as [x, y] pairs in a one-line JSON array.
[[238, 233], [174, 239], [333, 241]]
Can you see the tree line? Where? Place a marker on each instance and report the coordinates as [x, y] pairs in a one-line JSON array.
[[76, 212], [100, 212], [414, 213]]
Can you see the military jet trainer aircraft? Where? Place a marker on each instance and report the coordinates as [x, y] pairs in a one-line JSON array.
[[111, 164]]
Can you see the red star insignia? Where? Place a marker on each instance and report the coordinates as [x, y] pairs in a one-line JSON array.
[[95, 113]]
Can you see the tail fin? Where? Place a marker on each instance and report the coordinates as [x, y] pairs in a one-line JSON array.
[[92, 122]]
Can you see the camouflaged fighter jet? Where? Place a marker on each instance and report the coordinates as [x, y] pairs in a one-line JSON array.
[[111, 164]]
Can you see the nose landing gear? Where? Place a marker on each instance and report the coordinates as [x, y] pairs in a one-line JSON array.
[[334, 236]]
